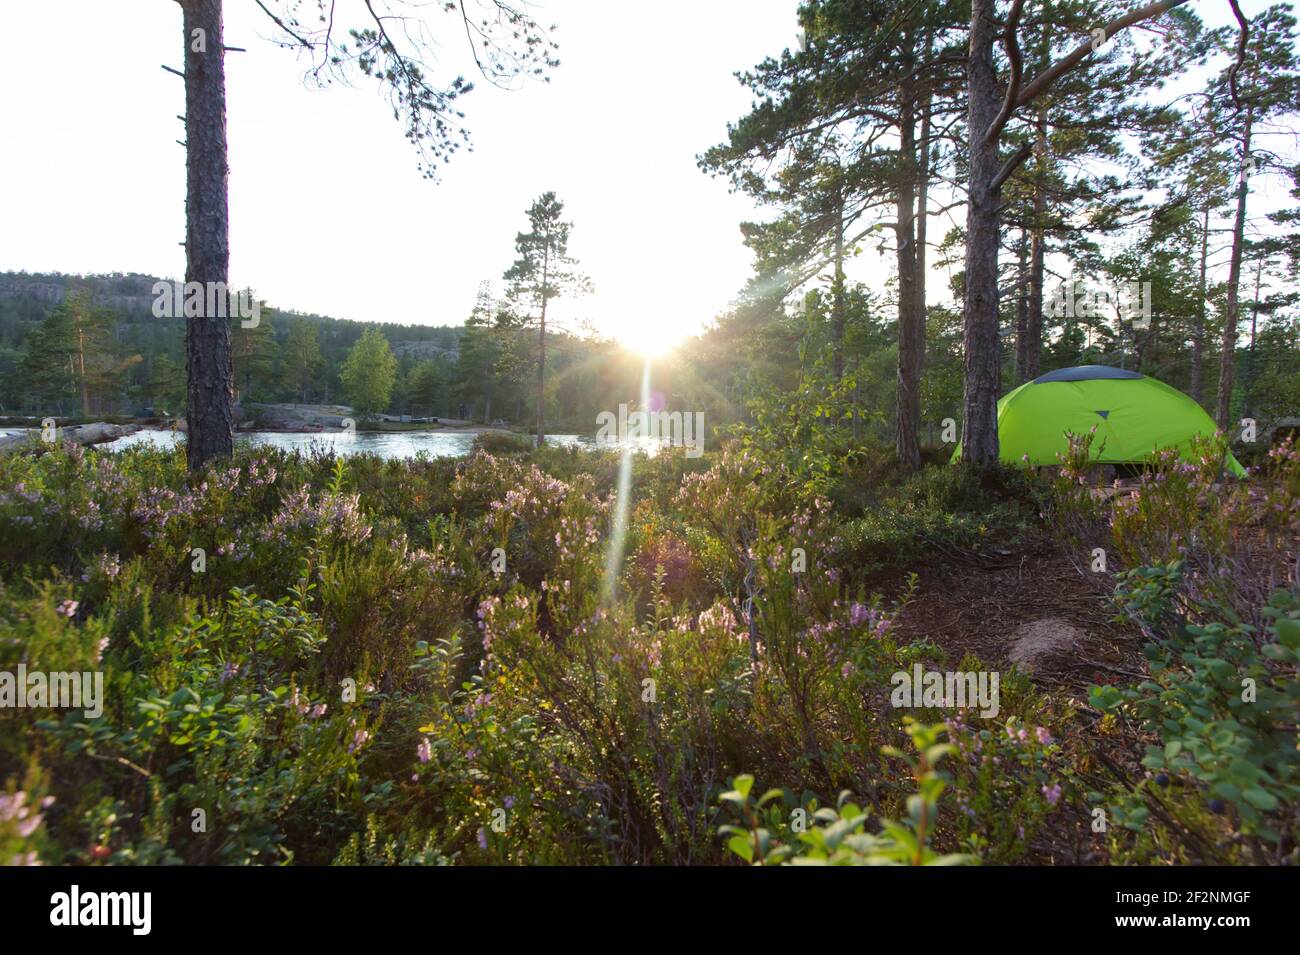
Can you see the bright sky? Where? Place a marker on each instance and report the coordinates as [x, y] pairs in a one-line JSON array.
[[328, 211]]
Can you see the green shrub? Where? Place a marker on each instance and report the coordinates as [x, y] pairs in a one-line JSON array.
[[774, 833], [1223, 772]]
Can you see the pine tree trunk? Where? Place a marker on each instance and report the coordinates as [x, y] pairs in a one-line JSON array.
[[541, 341], [1022, 307], [837, 288], [209, 414], [541, 378], [1198, 320], [911, 335], [81, 367], [981, 373], [1037, 253], [923, 200], [1228, 355], [1248, 379]]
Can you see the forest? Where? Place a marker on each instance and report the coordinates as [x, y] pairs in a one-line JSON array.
[[902, 610]]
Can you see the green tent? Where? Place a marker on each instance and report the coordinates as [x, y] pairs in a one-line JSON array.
[[1134, 415]]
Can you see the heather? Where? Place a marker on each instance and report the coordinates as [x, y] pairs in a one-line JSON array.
[[310, 659]]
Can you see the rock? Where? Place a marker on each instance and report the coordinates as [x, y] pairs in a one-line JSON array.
[[1036, 642], [14, 439], [293, 417], [99, 432], [84, 434]]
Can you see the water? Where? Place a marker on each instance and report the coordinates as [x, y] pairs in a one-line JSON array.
[[386, 444]]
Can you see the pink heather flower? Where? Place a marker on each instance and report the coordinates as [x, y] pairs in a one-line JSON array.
[[359, 739], [424, 752], [68, 608], [482, 839], [859, 614], [1052, 793], [1043, 735], [11, 807]]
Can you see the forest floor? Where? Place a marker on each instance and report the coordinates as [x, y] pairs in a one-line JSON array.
[[1030, 607]]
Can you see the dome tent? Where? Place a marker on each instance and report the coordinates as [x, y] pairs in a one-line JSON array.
[[1134, 415]]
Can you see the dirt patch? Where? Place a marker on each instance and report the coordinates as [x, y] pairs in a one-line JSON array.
[[1031, 607]]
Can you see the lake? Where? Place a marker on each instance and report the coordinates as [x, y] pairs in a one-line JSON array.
[[386, 444]]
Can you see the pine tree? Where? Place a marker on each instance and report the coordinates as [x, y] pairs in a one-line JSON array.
[[475, 373], [542, 272]]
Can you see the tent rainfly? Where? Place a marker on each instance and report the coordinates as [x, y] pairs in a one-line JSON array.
[[1134, 414]]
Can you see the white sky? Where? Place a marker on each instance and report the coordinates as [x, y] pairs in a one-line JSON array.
[[328, 211]]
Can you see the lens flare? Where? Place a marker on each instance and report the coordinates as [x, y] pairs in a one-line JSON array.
[[623, 494]]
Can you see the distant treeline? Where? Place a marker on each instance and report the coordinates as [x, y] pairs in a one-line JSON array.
[[90, 345], [87, 345]]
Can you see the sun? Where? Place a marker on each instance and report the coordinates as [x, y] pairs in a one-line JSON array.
[[647, 328], [650, 336], [648, 342]]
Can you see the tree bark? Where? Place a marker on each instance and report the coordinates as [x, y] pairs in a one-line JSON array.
[[1228, 355], [541, 345], [541, 379], [837, 287], [911, 330], [1198, 320], [1248, 379], [209, 393], [1037, 251], [980, 332], [81, 365], [1022, 307], [923, 210]]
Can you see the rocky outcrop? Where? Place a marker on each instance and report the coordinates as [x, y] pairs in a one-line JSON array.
[[84, 434], [293, 417]]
